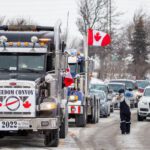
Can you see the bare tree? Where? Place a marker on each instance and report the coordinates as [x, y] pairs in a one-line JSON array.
[[20, 21], [92, 14], [96, 14], [2, 19]]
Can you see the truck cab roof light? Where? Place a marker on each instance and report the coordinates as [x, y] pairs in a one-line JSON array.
[[44, 40], [23, 44], [42, 44], [26, 44], [18, 44], [10, 43]]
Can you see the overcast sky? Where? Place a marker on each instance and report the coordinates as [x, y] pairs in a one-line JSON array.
[[46, 12]]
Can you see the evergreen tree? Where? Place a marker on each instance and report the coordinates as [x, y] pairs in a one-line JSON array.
[[139, 64]]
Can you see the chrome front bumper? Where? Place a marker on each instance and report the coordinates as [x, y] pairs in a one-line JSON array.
[[33, 124]]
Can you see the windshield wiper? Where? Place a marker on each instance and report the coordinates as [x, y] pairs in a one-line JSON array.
[[30, 70]]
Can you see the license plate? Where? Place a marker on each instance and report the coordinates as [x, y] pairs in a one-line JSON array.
[[13, 125]]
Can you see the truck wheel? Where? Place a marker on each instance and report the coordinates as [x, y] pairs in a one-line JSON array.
[[64, 127], [112, 109], [23, 133], [81, 119], [140, 118], [1, 135], [94, 112], [98, 111], [52, 138]]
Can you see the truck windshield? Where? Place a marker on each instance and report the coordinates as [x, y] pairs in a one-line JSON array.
[[73, 69], [31, 62], [20, 62], [8, 62], [76, 68]]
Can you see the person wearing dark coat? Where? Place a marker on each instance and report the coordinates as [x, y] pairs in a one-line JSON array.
[[125, 114]]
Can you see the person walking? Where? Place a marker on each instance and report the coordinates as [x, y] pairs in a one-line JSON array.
[[125, 114]]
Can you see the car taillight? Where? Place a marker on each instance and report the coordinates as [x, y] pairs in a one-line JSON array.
[[141, 90]]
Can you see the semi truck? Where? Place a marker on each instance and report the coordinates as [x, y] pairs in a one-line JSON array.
[[32, 98], [83, 106]]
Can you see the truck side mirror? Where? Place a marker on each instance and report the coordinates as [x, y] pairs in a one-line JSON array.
[[63, 46], [49, 78]]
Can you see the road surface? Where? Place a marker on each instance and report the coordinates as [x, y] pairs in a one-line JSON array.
[[103, 136]]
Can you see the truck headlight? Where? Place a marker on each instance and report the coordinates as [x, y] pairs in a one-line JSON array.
[[73, 98], [45, 106]]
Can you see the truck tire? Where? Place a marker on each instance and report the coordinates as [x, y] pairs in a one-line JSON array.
[[1, 135], [81, 119], [64, 127], [23, 133], [52, 138], [139, 118], [94, 112], [112, 108], [98, 111]]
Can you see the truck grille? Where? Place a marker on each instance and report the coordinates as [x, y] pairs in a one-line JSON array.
[[143, 109], [17, 99]]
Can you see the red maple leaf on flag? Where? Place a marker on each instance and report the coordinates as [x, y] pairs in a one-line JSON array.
[[97, 36]]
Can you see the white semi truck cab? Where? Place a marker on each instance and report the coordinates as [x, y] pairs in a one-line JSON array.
[[32, 98]]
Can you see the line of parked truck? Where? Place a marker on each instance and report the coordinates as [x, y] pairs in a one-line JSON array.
[[36, 94], [33, 95]]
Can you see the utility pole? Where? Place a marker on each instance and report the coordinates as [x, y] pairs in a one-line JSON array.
[[67, 27], [109, 13], [110, 17]]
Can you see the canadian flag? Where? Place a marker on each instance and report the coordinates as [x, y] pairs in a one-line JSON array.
[[98, 38], [68, 80]]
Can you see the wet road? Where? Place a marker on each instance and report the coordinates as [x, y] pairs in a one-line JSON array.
[[103, 136]]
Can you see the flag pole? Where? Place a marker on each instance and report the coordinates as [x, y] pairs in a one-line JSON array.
[[86, 63]]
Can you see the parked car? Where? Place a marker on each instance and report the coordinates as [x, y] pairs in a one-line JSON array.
[[144, 105], [115, 87], [141, 84], [104, 105], [101, 86], [104, 102], [131, 86]]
